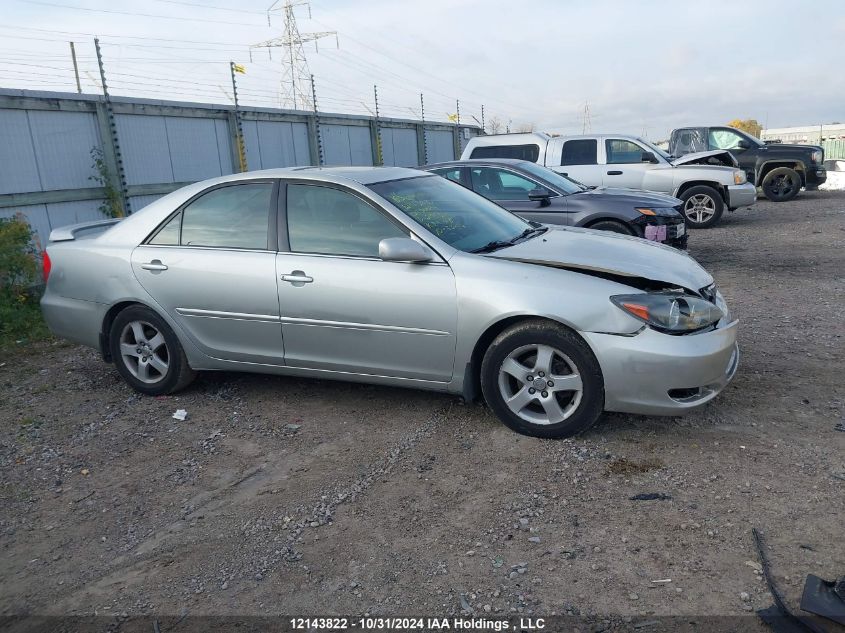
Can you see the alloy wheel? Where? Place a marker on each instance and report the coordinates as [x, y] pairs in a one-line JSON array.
[[782, 185], [540, 384], [700, 208], [144, 352]]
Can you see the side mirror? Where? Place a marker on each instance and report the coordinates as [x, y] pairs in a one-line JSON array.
[[541, 195], [402, 249], [648, 157], [744, 145]]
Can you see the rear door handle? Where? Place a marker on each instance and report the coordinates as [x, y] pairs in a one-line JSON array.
[[297, 277], [154, 265], [614, 173]]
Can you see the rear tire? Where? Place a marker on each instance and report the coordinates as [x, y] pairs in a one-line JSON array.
[[542, 380], [147, 353], [703, 207], [781, 184], [611, 225]]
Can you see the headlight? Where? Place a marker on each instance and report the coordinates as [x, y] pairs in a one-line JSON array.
[[739, 177], [672, 313], [817, 156], [659, 211]]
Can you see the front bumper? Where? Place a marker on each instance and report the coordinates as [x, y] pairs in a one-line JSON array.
[[657, 374], [816, 176], [743, 195], [671, 231]]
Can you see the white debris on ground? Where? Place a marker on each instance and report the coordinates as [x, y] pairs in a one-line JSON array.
[[835, 181]]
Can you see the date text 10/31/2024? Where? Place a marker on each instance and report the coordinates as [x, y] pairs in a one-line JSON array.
[[424, 624]]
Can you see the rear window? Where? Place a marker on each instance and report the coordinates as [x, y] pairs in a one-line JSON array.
[[528, 152], [579, 152]]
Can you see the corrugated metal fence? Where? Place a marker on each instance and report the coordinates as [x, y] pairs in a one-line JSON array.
[[46, 141], [834, 150]]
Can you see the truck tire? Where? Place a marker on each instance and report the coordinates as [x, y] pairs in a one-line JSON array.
[[781, 184], [703, 207]]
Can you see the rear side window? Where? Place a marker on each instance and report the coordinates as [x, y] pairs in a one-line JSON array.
[[528, 152], [580, 152], [450, 173], [237, 216]]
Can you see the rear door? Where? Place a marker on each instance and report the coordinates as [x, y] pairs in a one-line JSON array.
[[580, 161], [212, 267], [344, 309]]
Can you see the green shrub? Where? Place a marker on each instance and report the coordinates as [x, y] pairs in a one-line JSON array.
[[20, 315]]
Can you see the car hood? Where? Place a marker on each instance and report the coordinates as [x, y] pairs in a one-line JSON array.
[[585, 250], [698, 156], [636, 197]]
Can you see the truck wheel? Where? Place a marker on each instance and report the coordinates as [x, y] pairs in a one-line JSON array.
[[703, 206], [781, 184], [542, 380], [611, 225]]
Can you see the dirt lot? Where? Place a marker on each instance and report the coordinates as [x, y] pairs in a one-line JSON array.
[[280, 496]]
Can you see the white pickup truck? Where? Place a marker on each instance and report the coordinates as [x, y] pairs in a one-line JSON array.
[[707, 182]]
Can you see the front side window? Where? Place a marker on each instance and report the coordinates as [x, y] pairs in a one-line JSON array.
[[235, 216], [720, 138], [580, 152], [456, 215], [529, 152], [333, 222], [499, 184], [621, 152]]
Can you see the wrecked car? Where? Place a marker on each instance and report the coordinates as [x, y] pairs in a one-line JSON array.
[[706, 182], [397, 277]]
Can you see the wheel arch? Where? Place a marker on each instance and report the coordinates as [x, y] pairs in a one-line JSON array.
[[108, 319], [705, 183], [472, 372], [795, 165]]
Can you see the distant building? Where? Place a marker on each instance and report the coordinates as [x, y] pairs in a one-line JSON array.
[[805, 133]]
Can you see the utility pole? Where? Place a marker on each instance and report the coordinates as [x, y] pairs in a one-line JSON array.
[[424, 135], [317, 122], [379, 154], [483, 129], [240, 130], [75, 67], [295, 71], [586, 125], [120, 176], [457, 129]]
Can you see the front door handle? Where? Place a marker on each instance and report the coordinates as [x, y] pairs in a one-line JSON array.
[[614, 173], [297, 278], [154, 265]]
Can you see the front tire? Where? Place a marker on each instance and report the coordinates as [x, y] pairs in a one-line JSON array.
[[542, 380], [781, 184], [147, 353], [611, 225], [703, 207]]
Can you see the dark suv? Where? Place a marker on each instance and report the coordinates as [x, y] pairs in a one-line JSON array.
[[780, 170]]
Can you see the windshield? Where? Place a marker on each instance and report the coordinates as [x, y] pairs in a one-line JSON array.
[[563, 184], [459, 217]]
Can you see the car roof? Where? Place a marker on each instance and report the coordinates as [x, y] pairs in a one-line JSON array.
[[361, 174], [514, 162]]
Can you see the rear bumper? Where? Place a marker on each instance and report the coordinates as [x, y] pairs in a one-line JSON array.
[[74, 319], [657, 374], [741, 195]]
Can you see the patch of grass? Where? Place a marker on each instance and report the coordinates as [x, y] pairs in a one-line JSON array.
[[629, 467]]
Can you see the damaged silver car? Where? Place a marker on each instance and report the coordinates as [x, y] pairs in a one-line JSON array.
[[396, 277]]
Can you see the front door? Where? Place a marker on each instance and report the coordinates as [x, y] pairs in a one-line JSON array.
[[624, 165], [510, 190], [345, 310], [211, 268]]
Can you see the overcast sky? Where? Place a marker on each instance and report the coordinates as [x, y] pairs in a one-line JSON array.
[[643, 67]]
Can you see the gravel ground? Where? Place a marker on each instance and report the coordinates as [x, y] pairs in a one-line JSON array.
[[280, 496]]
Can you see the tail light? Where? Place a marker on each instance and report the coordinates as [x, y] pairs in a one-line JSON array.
[[46, 265]]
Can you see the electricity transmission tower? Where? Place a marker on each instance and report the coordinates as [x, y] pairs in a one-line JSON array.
[[586, 124], [296, 77]]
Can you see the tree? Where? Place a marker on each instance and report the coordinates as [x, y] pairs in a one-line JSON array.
[[747, 125], [494, 125], [526, 127]]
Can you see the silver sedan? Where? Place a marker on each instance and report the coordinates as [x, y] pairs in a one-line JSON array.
[[392, 276]]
